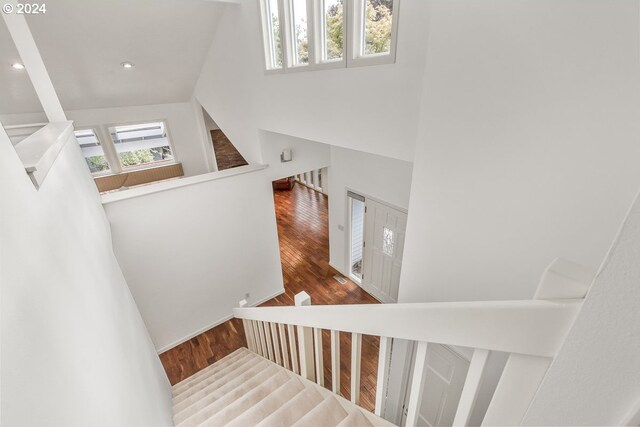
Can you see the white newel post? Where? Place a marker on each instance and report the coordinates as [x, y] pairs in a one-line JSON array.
[[305, 341]]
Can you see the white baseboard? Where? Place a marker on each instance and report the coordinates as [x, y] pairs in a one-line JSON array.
[[214, 324]]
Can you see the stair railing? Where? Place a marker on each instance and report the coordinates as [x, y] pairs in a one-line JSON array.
[[531, 331]]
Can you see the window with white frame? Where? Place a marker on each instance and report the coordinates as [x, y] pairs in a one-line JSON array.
[[125, 147], [92, 151], [141, 144], [316, 34]]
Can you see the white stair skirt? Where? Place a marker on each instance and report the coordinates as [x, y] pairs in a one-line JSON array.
[[245, 389]]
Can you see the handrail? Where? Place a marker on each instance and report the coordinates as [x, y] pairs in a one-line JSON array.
[[27, 125], [532, 327]]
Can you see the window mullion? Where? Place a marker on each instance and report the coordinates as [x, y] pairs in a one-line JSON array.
[[285, 31], [109, 149], [311, 33]]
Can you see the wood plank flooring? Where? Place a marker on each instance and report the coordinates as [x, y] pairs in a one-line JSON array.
[[302, 216]]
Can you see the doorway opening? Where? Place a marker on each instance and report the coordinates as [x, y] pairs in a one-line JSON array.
[[357, 211], [375, 245]]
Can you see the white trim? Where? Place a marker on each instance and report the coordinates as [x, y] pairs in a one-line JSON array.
[[216, 323], [178, 183]]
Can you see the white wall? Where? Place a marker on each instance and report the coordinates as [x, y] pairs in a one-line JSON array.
[[528, 148], [186, 138], [382, 178], [368, 108], [75, 351], [191, 253], [306, 155], [595, 380]]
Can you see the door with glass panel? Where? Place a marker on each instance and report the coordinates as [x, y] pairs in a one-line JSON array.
[[384, 234]]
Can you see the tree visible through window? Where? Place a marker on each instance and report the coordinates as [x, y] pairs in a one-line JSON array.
[[378, 20], [334, 30], [141, 144], [92, 150]]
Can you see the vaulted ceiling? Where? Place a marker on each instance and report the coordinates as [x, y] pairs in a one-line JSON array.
[[84, 42]]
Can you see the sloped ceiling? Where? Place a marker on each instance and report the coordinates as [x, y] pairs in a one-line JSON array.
[[84, 42]]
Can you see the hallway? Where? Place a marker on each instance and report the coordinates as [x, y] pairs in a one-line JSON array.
[[302, 217]]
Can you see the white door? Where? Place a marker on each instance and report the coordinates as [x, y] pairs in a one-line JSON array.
[[385, 229], [445, 373]]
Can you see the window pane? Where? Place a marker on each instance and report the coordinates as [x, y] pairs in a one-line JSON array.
[[299, 32], [274, 42], [142, 144], [92, 150], [333, 30], [378, 19], [357, 236]]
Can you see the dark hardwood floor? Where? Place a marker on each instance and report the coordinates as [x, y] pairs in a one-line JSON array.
[[302, 216]]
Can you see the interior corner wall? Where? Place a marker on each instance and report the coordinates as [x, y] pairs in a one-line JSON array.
[[528, 144], [186, 138], [191, 253], [306, 155], [75, 351], [383, 178], [373, 108]]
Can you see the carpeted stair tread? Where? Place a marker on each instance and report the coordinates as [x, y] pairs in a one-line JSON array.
[[327, 413], [355, 419], [217, 379], [252, 398], [227, 393], [218, 366], [292, 411], [269, 404]]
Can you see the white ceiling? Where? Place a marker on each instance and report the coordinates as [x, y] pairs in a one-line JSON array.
[[83, 42]]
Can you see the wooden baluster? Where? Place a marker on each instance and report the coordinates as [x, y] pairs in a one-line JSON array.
[[292, 349], [471, 387], [263, 344], [317, 343], [335, 361], [417, 385], [356, 356], [384, 359], [267, 337], [256, 336], [305, 341], [283, 345], [276, 346]]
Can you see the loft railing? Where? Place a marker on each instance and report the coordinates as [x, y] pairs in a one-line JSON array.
[[531, 331]]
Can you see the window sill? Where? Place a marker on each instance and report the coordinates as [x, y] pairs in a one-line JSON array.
[[177, 183]]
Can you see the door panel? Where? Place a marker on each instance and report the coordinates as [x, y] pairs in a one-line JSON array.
[[384, 244]]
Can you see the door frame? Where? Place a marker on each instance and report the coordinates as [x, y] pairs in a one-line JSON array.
[[347, 229]]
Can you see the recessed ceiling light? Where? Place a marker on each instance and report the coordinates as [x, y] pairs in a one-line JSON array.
[[17, 66], [127, 64]]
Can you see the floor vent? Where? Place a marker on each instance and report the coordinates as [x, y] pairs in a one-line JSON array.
[[340, 279]]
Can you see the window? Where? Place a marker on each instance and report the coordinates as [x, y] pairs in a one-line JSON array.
[[328, 33], [299, 33], [332, 30], [272, 34], [92, 151], [356, 235], [142, 144]]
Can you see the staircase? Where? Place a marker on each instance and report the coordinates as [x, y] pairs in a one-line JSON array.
[[279, 379], [245, 389]]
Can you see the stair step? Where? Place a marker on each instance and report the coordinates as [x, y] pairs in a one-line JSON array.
[[269, 404], [215, 367], [327, 413], [217, 400], [216, 379], [244, 403], [296, 408], [355, 419]]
